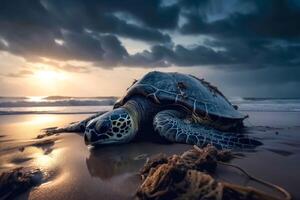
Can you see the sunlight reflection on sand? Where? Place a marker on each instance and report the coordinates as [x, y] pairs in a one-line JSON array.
[[42, 119], [49, 160]]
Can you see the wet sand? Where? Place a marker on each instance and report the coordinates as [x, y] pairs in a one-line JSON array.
[[77, 172]]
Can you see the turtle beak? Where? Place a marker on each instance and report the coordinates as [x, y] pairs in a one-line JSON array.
[[86, 138], [90, 137], [88, 134]]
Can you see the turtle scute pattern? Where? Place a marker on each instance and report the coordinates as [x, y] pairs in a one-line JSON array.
[[194, 94], [120, 125], [115, 126]]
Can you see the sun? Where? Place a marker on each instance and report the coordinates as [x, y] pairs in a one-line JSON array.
[[48, 76]]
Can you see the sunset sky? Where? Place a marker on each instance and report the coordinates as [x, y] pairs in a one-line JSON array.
[[248, 48]]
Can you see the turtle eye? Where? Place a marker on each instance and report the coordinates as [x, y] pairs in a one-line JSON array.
[[103, 127]]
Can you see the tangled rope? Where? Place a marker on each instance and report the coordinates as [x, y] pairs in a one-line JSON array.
[[188, 177]]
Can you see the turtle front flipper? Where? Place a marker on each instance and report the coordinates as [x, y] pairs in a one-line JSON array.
[[78, 127], [175, 127]]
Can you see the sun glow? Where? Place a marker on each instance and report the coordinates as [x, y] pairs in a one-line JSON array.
[[49, 76], [48, 81]]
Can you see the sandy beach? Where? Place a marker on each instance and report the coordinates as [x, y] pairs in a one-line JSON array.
[[75, 171]]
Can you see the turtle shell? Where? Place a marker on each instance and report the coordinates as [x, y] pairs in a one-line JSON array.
[[190, 92]]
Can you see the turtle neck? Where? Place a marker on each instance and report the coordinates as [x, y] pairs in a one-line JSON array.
[[142, 110]]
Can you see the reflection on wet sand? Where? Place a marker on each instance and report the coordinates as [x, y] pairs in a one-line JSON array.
[[112, 163]]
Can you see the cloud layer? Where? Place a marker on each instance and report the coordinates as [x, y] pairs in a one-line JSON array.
[[247, 32], [237, 35]]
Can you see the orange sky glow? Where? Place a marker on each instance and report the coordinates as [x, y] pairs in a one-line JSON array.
[[50, 77]]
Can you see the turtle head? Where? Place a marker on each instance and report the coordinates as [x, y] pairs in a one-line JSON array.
[[116, 126]]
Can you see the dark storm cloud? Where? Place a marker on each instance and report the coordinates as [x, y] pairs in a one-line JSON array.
[[178, 55], [87, 30], [236, 54], [246, 34], [272, 20], [100, 16], [267, 34]]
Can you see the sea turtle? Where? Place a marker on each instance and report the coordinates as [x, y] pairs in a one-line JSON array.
[[180, 108]]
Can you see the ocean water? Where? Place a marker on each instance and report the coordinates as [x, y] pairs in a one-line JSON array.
[[87, 105], [55, 105], [267, 104]]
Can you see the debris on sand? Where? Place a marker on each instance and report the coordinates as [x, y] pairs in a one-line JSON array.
[[45, 145], [18, 180], [199, 159], [48, 132], [188, 176]]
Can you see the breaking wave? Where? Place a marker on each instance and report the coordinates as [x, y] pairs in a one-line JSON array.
[[55, 105], [55, 101], [267, 104], [87, 105]]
